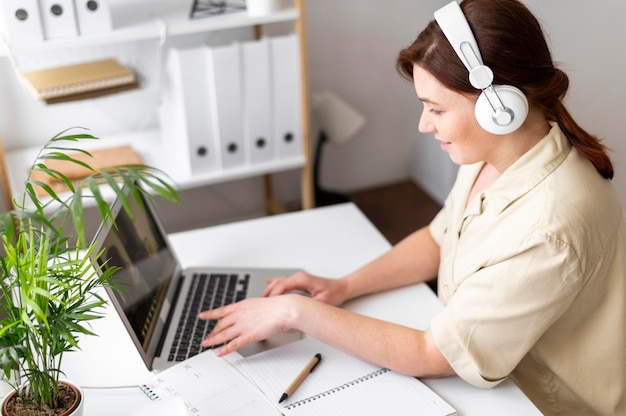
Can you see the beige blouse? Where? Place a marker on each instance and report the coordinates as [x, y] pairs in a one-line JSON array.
[[533, 276]]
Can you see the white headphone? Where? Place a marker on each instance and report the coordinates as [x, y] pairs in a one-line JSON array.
[[500, 109]]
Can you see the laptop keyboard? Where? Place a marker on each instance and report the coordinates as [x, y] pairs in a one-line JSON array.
[[208, 291]]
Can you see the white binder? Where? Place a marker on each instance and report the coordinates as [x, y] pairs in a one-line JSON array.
[[185, 115], [226, 102], [59, 18], [257, 101], [94, 16], [286, 95], [21, 21]]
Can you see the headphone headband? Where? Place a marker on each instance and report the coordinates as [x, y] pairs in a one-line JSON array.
[[454, 25], [452, 22]]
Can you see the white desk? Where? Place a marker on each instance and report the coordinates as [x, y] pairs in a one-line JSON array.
[[327, 241]]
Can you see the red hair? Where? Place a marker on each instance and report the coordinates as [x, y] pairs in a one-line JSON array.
[[512, 44]]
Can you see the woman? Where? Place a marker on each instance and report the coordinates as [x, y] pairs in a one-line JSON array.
[[529, 248]]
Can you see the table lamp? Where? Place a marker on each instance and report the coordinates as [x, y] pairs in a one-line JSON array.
[[338, 122]]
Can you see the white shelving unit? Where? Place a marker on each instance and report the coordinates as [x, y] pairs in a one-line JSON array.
[[149, 145], [170, 19]]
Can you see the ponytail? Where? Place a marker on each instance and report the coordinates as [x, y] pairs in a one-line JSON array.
[[548, 96]]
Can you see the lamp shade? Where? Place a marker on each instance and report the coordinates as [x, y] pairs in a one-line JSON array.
[[339, 121]]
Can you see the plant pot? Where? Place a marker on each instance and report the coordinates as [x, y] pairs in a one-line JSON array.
[[76, 409], [5, 385]]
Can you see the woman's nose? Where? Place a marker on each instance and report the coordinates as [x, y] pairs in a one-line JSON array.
[[425, 124]]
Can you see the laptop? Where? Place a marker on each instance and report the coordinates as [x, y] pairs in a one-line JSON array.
[[153, 294]]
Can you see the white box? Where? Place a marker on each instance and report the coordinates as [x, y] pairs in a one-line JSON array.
[[185, 113], [59, 18], [21, 21], [257, 101], [286, 95], [94, 16], [226, 102], [263, 7]]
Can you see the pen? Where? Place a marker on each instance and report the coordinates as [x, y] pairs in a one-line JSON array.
[[300, 378]]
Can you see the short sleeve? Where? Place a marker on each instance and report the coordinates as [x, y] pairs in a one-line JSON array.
[[497, 314]]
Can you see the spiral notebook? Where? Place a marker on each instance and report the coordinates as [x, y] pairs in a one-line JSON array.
[[79, 81], [340, 384]]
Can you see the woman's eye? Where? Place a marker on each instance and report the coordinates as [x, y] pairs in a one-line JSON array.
[[435, 112]]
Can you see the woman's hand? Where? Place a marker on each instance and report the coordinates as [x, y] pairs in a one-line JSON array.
[[250, 320], [331, 291]]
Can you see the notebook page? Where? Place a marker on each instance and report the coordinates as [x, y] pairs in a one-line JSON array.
[[210, 386], [340, 384], [274, 369]]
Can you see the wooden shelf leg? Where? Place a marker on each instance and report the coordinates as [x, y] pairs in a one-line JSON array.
[[308, 192], [272, 207]]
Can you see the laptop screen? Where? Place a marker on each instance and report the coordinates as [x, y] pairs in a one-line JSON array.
[[138, 247]]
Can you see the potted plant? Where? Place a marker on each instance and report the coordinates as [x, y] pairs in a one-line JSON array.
[[49, 283]]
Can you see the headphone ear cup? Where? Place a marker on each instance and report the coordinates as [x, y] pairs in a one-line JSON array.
[[515, 103]]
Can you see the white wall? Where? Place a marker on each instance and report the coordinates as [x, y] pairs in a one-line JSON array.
[[353, 45]]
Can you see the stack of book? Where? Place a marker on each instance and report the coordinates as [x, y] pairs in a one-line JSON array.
[[80, 81], [98, 159]]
